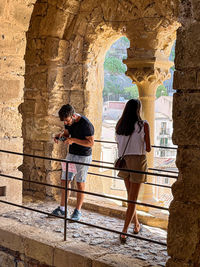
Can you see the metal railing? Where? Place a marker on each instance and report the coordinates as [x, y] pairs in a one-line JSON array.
[[66, 188]]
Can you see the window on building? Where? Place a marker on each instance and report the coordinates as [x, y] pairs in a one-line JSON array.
[[163, 127], [166, 181], [163, 141]]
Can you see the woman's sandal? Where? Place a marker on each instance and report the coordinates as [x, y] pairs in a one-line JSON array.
[[137, 232], [123, 239]]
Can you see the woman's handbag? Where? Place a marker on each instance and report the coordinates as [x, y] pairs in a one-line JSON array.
[[120, 162]]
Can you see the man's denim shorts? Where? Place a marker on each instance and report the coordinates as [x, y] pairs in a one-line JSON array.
[[81, 169]]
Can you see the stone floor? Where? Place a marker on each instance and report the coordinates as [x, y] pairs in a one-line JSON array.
[[154, 254]]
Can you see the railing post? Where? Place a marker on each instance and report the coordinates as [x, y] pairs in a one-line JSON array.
[[66, 193]]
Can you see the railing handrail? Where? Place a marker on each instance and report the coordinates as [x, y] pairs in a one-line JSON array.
[[87, 164], [113, 142], [80, 191]]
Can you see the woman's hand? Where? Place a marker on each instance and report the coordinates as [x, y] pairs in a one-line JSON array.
[[147, 137]]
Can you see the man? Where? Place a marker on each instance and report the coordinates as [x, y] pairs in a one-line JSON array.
[[79, 134]]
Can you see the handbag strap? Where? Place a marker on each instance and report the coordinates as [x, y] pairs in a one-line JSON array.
[[126, 145]]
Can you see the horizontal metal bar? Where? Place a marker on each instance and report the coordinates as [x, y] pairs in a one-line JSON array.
[[160, 170], [30, 181], [31, 209], [112, 142], [87, 164], [112, 163], [86, 192], [84, 223], [122, 179], [120, 199]]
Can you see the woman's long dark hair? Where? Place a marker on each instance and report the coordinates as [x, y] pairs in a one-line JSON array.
[[130, 115]]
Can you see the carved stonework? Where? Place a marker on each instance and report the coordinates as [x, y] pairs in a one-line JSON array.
[[149, 72]]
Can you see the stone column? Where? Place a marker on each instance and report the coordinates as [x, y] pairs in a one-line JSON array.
[[148, 75]]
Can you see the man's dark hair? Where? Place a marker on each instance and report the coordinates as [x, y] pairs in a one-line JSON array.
[[66, 111]]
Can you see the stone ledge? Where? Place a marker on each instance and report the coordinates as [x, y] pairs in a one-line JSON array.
[[49, 249], [154, 219]]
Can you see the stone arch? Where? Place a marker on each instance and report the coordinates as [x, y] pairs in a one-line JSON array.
[[66, 45]]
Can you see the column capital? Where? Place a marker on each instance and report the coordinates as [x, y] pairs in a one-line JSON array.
[[148, 72]]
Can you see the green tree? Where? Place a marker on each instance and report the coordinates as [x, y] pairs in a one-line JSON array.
[[161, 90], [114, 65], [131, 91]]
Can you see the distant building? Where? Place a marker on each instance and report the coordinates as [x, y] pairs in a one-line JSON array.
[[163, 127]]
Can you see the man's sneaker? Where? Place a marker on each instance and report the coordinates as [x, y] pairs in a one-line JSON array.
[[58, 212], [76, 215]]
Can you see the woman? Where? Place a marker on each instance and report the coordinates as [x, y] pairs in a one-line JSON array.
[[130, 125]]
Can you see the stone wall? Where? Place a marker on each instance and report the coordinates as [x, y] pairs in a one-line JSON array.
[[184, 220], [14, 21], [24, 245], [66, 46], [60, 46]]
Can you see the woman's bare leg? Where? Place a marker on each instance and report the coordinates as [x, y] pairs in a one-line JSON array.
[[135, 218], [133, 192]]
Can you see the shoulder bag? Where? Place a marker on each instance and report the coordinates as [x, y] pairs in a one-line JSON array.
[[120, 162]]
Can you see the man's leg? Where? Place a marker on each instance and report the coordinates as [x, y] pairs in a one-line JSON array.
[[60, 211], [80, 196]]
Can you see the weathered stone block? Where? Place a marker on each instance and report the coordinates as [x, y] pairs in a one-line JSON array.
[[76, 50], [71, 7], [13, 128], [10, 90], [55, 22], [183, 230], [196, 9], [77, 100], [11, 185], [22, 14], [189, 77], [39, 251], [10, 162], [186, 110], [70, 77], [34, 30], [6, 260], [56, 51], [12, 41], [2, 7], [176, 263], [80, 26], [87, 6], [14, 63], [70, 258], [40, 9], [188, 163], [10, 240], [187, 52], [28, 106]]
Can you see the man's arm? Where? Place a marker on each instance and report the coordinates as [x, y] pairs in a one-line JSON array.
[[88, 141]]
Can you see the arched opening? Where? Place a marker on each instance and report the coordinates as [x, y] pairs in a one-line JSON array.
[[54, 67]]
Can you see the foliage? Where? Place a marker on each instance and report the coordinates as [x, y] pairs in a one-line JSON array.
[[161, 90], [114, 65], [132, 91]]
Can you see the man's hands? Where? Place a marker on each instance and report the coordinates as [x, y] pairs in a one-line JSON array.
[[59, 137], [69, 141], [56, 138], [87, 142]]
